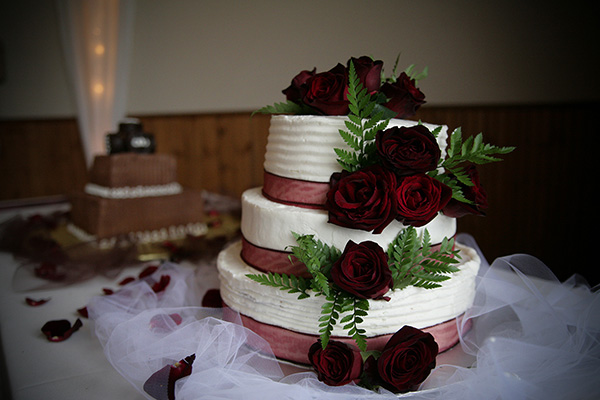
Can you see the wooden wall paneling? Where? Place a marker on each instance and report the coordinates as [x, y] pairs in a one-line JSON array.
[[40, 158]]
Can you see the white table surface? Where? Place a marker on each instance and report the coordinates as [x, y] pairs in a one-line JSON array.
[[35, 368]]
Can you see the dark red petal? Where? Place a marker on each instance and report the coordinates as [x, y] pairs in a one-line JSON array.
[[59, 330], [83, 311], [149, 270], [108, 291], [161, 322], [36, 302], [162, 284], [127, 280], [161, 384]]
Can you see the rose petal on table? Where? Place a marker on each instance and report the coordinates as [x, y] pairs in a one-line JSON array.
[[161, 384], [149, 270], [83, 311], [108, 291], [164, 322], [161, 284], [59, 330], [36, 302], [126, 280]]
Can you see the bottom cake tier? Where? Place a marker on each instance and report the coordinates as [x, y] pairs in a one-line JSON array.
[[291, 326], [105, 218]]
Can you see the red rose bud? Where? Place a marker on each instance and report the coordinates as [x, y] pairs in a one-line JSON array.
[[420, 197], [403, 97], [363, 270], [368, 72], [365, 199], [337, 364], [298, 88], [408, 150], [407, 359], [327, 91], [59, 330], [161, 384], [475, 193]]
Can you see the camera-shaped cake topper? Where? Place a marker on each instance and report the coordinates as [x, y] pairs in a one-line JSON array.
[[130, 139]]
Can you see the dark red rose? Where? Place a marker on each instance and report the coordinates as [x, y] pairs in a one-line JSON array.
[[368, 72], [337, 364], [363, 270], [161, 384], [475, 193], [403, 97], [365, 199], [297, 89], [420, 197], [408, 150], [407, 359], [327, 91]]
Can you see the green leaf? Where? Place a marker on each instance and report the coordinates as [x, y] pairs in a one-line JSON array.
[[288, 107]]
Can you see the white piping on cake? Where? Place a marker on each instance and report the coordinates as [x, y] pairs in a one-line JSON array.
[[127, 192], [173, 232]]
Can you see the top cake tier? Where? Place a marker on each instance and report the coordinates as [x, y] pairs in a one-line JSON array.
[[302, 146], [131, 169]]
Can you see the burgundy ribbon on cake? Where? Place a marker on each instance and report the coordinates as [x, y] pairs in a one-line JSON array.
[[294, 192], [277, 261], [268, 260]]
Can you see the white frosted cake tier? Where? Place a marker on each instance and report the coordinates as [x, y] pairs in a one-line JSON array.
[[302, 146], [270, 225], [413, 306]]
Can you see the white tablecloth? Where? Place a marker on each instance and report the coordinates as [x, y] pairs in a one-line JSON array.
[[35, 368]]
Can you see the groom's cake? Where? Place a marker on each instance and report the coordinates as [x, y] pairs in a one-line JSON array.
[[132, 191], [352, 255]]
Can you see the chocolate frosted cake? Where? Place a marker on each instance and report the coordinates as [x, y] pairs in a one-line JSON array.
[[132, 191]]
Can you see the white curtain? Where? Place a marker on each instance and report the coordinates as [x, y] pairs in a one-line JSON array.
[[97, 40]]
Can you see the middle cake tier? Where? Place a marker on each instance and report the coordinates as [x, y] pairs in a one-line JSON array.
[[267, 229]]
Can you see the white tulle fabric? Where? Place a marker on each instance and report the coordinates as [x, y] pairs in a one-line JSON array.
[[532, 338]]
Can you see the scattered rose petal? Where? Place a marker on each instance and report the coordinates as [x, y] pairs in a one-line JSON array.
[[161, 384], [212, 298], [163, 322], [161, 284], [108, 291], [83, 311], [149, 270], [59, 330], [36, 302], [127, 280]]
